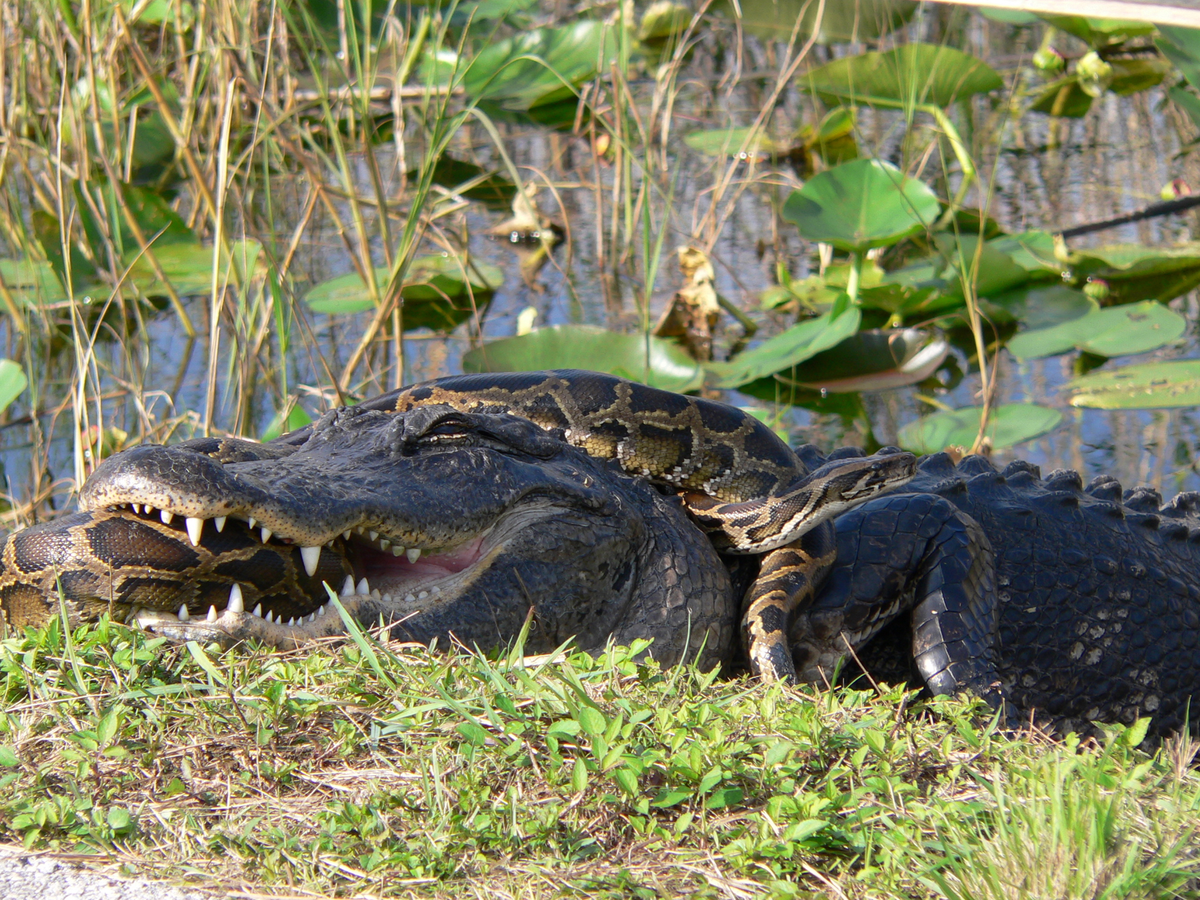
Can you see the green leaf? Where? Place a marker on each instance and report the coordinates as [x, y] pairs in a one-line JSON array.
[[722, 798], [1137, 272], [782, 20], [1032, 250], [1064, 97], [540, 66], [1116, 331], [1162, 385], [1182, 47], [728, 141], [627, 780], [798, 343], [119, 819], [297, 417], [8, 758], [435, 292], [567, 728], [591, 720], [917, 73], [653, 361], [667, 798], [872, 360], [12, 382], [861, 204], [1009, 424], [1100, 32], [1042, 305], [1188, 102]]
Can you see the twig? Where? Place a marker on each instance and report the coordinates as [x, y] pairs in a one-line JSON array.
[[1154, 210]]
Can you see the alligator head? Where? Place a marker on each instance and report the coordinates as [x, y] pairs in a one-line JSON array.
[[446, 525]]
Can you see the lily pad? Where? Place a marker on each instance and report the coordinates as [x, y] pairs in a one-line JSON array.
[[31, 282], [189, 267], [1007, 425], [781, 352], [1182, 47], [653, 361], [1031, 250], [1159, 385], [12, 382], [861, 204], [1116, 331], [540, 66], [1041, 305], [435, 292], [912, 73], [872, 360], [1099, 32], [776, 20]]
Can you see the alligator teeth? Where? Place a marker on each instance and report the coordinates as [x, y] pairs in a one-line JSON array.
[[347, 588], [269, 618], [195, 527], [321, 610], [251, 522], [219, 521], [384, 544], [166, 516], [136, 507], [266, 534], [386, 598], [397, 550], [362, 589], [311, 556], [311, 617], [183, 613], [414, 553], [148, 509], [257, 610], [346, 535], [291, 621], [422, 595], [374, 535], [212, 614], [409, 598], [236, 603]]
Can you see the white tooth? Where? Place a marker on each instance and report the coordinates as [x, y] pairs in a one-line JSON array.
[[374, 535], [375, 595], [363, 588], [422, 595], [236, 603], [250, 522], [219, 521], [183, 613], [409, 598], [311, 556], [257, 610], [437, 588], [269, 618], [148, 509], [266, 534], [212, 614], [359, 529], [321, 611], [195, 527], [397, 550], [166, 516], [292, 622], [137, 508], [384, 544], [346, 535], [387, 598], [348, 587], [311, 616], [414, 553]]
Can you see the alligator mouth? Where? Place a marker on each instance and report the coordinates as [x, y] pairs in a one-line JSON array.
[[373, 575]]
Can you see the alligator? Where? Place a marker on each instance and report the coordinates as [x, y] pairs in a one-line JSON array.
[[465, 522]]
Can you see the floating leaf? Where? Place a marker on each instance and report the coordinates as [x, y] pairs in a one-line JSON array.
[[781, 20], [12, 382], [1038, 306], [1064, 97], [1099, 32], [1160, 385], [1182, 47], [1137, 272], [861, 204], [435, 291], [872, 360], [31, 282], [189, 267], [798, 343], [1009, 424], [1116, 331], [651, 360], [472, 181], [540, 66], [1032, 250], [912, 73], [728, 141]]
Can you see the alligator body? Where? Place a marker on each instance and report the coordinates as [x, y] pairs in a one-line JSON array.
[[1083, 603]]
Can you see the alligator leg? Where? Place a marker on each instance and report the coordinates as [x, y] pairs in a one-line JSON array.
[[915, 553]]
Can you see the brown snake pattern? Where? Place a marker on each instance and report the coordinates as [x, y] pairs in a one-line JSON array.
[[742, 485]]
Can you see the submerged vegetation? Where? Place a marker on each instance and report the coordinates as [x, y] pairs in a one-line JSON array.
[[229, 216]]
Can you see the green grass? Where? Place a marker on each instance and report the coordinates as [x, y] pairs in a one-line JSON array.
[[368, 769]]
